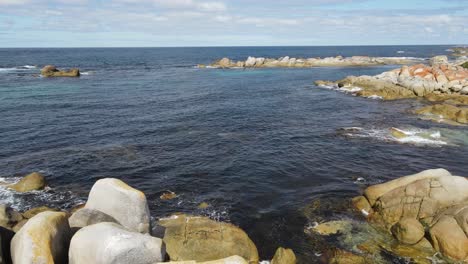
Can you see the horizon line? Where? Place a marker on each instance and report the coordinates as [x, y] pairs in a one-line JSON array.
[[235, 46]]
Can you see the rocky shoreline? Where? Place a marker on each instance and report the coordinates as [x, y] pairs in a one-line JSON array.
[[287, 62], [442, 83], [115, 226], [426, 213]]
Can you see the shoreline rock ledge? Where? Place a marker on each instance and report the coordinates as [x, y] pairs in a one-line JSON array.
[[441, 82], [287, 62], [428, 209]]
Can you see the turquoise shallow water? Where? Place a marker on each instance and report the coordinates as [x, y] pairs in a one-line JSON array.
[[258, 145]]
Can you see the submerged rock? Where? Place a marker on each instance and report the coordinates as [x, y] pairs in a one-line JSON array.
[[446, 111], [229, 260], [109, 243], [122, 202], [203, 239], [332, 227], [43, 239], [30, 182], [52, 71]]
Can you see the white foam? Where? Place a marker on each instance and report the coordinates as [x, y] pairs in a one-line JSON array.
[[414, 136], [400, 51], [29, 66], [85, 73], [375, 97]]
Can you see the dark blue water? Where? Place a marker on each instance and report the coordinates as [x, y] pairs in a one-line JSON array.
[[258, 145]]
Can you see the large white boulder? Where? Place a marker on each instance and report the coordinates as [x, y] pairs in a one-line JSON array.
[[110, 243], [125, 204], [43, 239]]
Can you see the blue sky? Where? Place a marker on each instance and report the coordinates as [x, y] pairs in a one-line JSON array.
[[153, 23]]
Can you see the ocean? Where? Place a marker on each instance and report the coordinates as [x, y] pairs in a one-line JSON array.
[[262, 147]]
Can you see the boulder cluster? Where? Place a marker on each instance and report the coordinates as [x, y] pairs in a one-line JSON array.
[[443, 82], [115, 227], [52, 71], [338, 61], [426, 210]]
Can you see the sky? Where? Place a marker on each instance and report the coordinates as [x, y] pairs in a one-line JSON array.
[[168, 23]]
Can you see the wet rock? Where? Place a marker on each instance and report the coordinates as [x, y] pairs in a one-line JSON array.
[[397, 133], [203, 239], [203, 205], [122, 202], [85, 217], [284, 256], [43, 239], [446, 111], [52, 71], [34, 211], [9, 217], [168, 195], [339, 256], [408, 231], [229, 260], [332, 227], [31, 182], [362, 205], [115, 244]]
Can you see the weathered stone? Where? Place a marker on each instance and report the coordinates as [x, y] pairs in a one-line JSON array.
[[437, 60], [124, 203], [9, 217], [31, 182], [85, 217], [43, 239], [229, 260], [448, 238], [34, 211], [110, 243], [362, 205], [284, 256], [408, 231], [339, 256], [202, 239]]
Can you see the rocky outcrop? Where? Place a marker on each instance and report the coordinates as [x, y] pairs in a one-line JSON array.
[[30, 182], [287, 62], [202, 239], [109, 243], [460, 51], [125, 204], [441, 81], [43, 239], [431, 202], [52, 71]]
